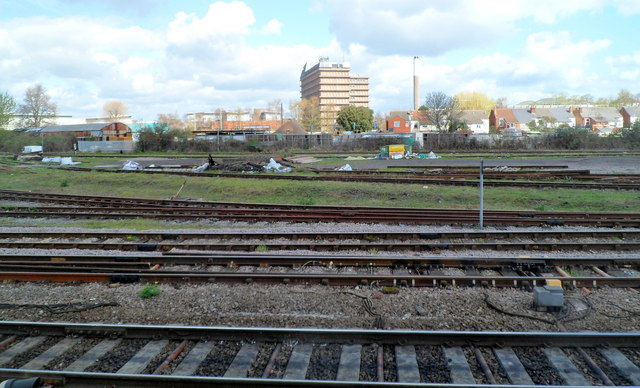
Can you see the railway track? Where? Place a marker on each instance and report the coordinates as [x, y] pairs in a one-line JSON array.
[[325, 270], [79, 206], [580, 175], [265, 260], [330, 246], [394, 180], [374, 236], [98, 355], [614, 240]]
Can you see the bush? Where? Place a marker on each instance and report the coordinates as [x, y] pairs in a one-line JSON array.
[[572, 138]]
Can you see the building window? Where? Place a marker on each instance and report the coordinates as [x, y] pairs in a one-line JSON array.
[[396, 124]]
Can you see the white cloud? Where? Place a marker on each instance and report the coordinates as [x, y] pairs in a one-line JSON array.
[[548, 63], [625, 67], [202, 61], [222, 20], [411, 27], [273, 27]]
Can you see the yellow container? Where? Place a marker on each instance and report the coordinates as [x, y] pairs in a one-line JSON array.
[[554, 282], [396, 148]]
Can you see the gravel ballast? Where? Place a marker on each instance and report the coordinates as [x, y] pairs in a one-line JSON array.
[[214, 304]]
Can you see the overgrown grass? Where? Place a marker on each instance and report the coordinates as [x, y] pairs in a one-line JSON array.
[[320, 193]]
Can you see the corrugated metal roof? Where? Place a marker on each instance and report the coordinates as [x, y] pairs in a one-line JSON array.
[[74, 128]]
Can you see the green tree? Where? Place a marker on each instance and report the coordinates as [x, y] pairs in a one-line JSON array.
[[355, 118], [157, 137], [7, 109], [632, 135], [37, 108], [623, 98]]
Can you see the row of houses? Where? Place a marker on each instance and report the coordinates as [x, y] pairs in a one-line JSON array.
[[418, 121], [602, 120]]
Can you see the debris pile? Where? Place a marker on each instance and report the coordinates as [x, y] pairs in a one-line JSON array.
[[131, 165], [274, 166], [503, 169]]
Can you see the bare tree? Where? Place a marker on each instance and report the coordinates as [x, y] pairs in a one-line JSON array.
[[172, 120], [501, 102], [37, 109], [442, 111], [307, 113], [7, 109], [115, 110], [275, 106]]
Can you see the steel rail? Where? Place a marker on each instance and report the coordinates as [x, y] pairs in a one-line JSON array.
[[343, 339], [342, 336], [440, 213], [172, 203], [333, 279], [329, 246], [255, 215], [370, 236], [263, 259]]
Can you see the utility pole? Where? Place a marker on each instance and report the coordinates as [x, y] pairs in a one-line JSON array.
[[481, 193], [219, 128]]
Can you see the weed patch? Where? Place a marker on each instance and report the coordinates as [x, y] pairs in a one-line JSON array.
[[149, 291]]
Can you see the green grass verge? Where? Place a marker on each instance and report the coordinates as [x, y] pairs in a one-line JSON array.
[[314, 193]]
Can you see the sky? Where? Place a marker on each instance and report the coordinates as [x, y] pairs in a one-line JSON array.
[[163, 56]]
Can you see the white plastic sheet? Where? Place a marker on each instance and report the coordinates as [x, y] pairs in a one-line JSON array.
[[132, 165], [52, 159], [31, 149], [68, 161], [346, 167], [274, 166], [202, 168], [432, 155]]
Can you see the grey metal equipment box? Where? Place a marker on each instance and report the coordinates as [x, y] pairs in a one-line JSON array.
[[548, 298]]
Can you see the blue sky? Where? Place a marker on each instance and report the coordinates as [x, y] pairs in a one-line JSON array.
[[161, 56]]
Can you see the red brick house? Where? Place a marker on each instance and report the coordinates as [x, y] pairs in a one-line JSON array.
[[629, 115], [399, 122]]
